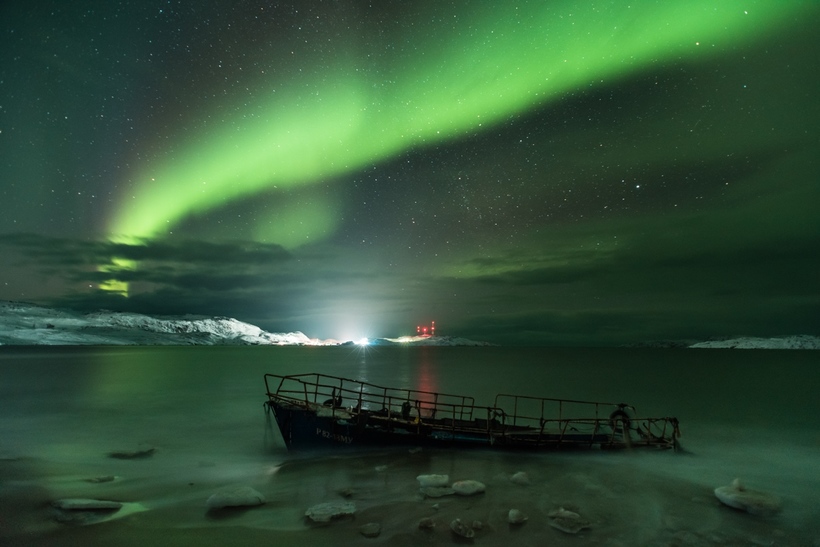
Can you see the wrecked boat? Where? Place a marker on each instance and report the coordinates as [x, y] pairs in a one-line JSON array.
[[313, 410]]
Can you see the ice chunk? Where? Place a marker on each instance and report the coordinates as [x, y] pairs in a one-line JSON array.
[[468, 487], [752, 501], [325, 512], [433, 480], [244, 496]]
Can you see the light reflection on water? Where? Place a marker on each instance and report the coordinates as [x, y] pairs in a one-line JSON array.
[[427, 370]]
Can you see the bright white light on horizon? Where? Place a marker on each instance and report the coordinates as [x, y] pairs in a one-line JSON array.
[[406, 339], [363, 342]]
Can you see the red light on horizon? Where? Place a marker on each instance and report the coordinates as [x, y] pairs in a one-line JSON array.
[[425, 330]]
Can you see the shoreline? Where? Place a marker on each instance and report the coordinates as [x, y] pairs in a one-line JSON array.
[[623, 497]]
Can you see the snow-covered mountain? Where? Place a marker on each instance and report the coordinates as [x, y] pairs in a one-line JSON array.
[[30, 324], [802, 341]]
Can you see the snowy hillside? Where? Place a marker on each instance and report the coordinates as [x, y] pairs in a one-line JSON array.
[[785, 342], [29, 324]]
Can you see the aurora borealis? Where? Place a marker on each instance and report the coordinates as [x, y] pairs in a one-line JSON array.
[[529, 172]]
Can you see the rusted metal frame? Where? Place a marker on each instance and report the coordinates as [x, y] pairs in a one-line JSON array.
[[315, 388], [563, 431], [573, 401], [660, 438], [305, 388], [543, 422], [515, 411], [612, 434], [490, 437], [594, 429]]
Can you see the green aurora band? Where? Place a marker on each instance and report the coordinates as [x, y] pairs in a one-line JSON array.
[[450, 78]]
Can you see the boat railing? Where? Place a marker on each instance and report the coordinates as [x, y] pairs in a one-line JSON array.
[[355, 397], [523, 408], [515, 419], [547, 416]]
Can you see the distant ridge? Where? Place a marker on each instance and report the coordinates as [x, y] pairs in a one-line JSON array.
[[25, 324], [800, 341], [30, 324]]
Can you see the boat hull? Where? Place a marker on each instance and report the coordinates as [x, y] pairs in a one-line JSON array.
[[313, 410], [303, 428]]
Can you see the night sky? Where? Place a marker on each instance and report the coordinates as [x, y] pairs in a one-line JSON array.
[[545, 172]]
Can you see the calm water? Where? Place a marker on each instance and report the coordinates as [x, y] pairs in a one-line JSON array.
[[747, 414]]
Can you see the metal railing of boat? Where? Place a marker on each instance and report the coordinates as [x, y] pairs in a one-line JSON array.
[[346, 395], [557, 421], [513, 419]]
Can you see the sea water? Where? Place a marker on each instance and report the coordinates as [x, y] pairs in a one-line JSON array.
[[744, 414]]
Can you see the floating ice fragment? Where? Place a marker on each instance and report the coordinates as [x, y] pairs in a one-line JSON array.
[[437, 491], [85, 504], [244, 496], [752, 501], [91, 511], [468, 487], [104, 478], [433, 480], [142, 451], [461, 529], [324, 512], [516, 517], [520, 478], [370, 530], [567, 521]]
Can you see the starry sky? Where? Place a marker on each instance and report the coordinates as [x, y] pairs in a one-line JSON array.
[[526, 173]]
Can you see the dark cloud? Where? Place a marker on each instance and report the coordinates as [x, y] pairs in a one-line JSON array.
[[165, 276], [72, 252]]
